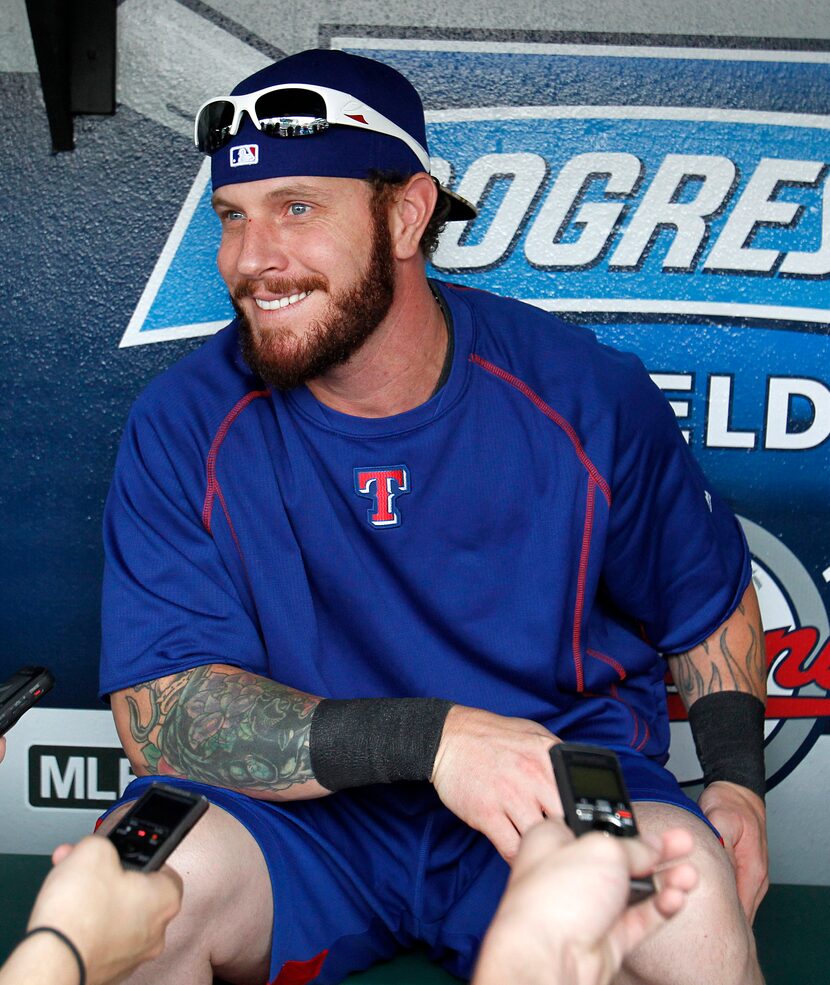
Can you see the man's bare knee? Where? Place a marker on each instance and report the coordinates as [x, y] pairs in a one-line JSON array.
[[225, 923], [710, 941]]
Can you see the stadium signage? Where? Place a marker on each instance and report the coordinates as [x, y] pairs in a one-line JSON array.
[[580, 212], [582, 209], [80, 777]]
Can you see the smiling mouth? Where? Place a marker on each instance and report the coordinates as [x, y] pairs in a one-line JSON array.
[[281, 302]]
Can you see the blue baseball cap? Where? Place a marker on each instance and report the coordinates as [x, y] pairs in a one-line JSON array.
[[322, 113]]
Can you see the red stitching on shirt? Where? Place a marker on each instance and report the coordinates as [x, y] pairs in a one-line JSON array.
[[226, 511], [646, 737], [212, 485], [550, 413], [580, 585], [615, 694], [637, 722], [618, 667]]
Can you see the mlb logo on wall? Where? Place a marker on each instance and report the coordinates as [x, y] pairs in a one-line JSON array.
[[611, 182], [244, 155]]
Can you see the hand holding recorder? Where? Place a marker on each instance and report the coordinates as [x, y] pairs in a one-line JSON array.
[[95, 918], [19, 692], [564, 918], [93, 921], [156, 823], [579, 901], [595, 798]]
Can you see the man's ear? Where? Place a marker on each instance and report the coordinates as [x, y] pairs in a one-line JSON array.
[[409, 214]]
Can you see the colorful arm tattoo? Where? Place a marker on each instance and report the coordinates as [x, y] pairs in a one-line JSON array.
[[222, 726]]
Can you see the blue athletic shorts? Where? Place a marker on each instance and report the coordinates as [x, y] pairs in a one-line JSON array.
[[366, 873]]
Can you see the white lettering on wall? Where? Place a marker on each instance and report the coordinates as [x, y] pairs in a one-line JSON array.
[[758, 206], [658, 210], [776, 429], [596, 220], [718, 432], [569, 230], [813, 264], [92, 791], [780, 393], [524, 174], [72, 780]]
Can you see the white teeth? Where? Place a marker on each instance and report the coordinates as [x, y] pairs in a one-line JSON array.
[[281, 302]]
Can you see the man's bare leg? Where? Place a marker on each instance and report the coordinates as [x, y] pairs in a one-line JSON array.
[[710, 941], [225, 924]]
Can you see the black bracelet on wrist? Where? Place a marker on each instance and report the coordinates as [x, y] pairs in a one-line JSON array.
[[357, 741], [61, 936], [728, 729]]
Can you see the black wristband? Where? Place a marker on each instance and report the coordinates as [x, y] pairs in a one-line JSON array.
[[61, 936], [357, 741], [728, 729]]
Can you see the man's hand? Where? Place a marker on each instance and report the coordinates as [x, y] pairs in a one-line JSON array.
[[564, 916], [115, 918], [495, 774], [741, 818]]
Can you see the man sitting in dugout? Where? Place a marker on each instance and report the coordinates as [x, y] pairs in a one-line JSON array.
[[379, 544]]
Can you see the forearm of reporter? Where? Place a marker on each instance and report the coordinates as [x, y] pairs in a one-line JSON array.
[[40, 960], [114, 919], [224, 726]]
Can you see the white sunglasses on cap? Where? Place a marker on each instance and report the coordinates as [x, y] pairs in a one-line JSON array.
[[292, 110]]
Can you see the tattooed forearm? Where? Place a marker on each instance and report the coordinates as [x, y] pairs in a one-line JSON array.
[[689, 680], [731, 659], [223, 726]]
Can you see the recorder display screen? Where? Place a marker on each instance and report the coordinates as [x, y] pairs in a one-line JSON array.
[[595, 782], [161, 810]]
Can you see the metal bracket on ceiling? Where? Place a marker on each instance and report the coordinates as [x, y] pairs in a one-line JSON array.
[[75, 42]]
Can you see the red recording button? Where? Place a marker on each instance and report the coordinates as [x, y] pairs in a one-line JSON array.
[[624, 813]]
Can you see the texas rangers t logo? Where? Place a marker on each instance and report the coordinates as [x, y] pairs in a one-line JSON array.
[[382, 485]]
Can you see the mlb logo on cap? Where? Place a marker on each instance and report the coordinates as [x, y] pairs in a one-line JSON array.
[[244, 154]]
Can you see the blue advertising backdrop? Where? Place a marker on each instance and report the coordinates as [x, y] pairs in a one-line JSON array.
[[687, 222], [673, 194]]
